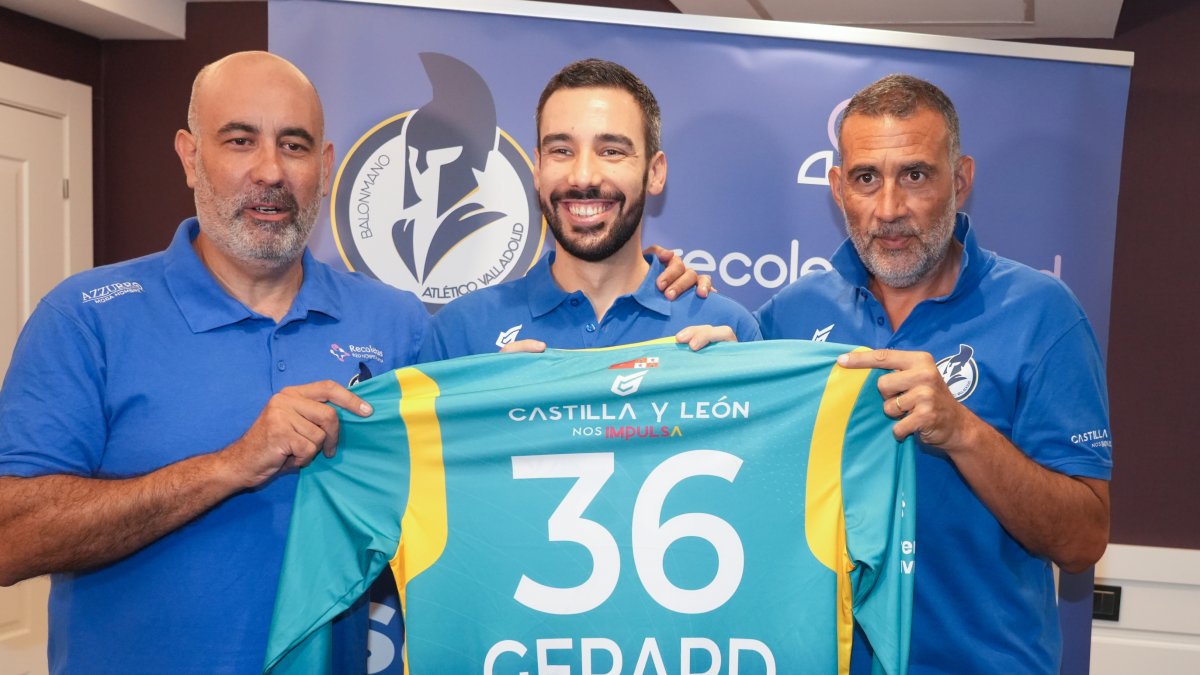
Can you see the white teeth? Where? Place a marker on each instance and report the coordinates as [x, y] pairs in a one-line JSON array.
[[266, 209], [587, 210]]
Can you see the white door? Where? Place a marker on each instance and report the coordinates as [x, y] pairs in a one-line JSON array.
[[45, 234]]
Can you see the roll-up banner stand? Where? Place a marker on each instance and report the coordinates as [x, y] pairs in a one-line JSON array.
[[748, 112]]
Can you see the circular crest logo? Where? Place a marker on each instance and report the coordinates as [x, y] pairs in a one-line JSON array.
[[960, 372], [439, 200]]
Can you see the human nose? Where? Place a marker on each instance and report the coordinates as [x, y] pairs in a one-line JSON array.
[[267, 170], [892, 204], [583, 170]]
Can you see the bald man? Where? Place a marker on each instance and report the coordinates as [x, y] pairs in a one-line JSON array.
[[156, 410]]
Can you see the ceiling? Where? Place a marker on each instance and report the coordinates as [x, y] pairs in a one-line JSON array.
[[993, 19], [1010, 19]]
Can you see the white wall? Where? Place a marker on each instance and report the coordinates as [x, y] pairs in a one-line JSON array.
[[1159, 628]]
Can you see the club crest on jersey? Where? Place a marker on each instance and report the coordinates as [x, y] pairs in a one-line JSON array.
[[363, 374], [628, 383], [439, 200], [960, 372]]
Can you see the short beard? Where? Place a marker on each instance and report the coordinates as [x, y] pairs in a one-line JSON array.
[[903, 269], [225, 222], [629, 217]]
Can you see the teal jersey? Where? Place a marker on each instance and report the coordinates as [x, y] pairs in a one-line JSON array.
[[638, 509]]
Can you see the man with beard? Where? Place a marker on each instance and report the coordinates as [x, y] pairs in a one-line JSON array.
[[156, 410], [598, 156], [996, 372]]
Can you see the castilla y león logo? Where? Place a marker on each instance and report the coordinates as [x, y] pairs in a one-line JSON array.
[[628, 383], [439, 200]]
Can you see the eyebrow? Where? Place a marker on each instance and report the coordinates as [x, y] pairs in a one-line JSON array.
[[621, 139], [862, 168], [298, 132], [238, 126], [919, 166], [555, 138], [913, 166]]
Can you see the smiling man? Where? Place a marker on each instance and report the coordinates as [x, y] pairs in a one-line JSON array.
[[156, 410], [997, 375], [598, 158]]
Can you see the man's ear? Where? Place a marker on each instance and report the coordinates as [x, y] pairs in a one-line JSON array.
[[964, 179], [327, 167], [185, 147], [835, 185], [656, 178], [537, 169]]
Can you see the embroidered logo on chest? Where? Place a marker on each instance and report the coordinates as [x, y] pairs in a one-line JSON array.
[[109, 291], [960, 372], [510, 335]]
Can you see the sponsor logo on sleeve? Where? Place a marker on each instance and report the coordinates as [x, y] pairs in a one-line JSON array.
[[1096, 438]]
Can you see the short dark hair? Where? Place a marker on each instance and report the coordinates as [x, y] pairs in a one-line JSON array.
[[601, 73], [901, 95]]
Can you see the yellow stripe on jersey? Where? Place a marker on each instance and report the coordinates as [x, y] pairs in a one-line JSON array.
[[824, 515], [423, 528]]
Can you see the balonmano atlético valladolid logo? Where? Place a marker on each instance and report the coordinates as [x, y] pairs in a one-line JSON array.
[[439, 200]]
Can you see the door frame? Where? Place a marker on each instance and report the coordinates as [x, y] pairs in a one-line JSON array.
[[70, 102]]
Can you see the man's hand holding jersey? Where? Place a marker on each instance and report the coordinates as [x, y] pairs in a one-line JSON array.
[[291, 429]]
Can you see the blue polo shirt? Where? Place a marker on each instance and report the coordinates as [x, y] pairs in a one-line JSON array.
[[535, 307], [126, 368], [1016, 348]]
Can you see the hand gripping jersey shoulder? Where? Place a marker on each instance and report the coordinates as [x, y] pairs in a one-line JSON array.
[[639, 509]]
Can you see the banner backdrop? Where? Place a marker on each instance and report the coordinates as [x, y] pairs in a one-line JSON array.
[[747, 129], [431, 112]]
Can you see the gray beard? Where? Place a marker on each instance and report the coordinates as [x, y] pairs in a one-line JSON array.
[[276, 243], [903, 269]]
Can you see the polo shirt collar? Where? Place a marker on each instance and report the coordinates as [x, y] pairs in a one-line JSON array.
[[545, 295], [205, 305], [647, 294], [975, 260]]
